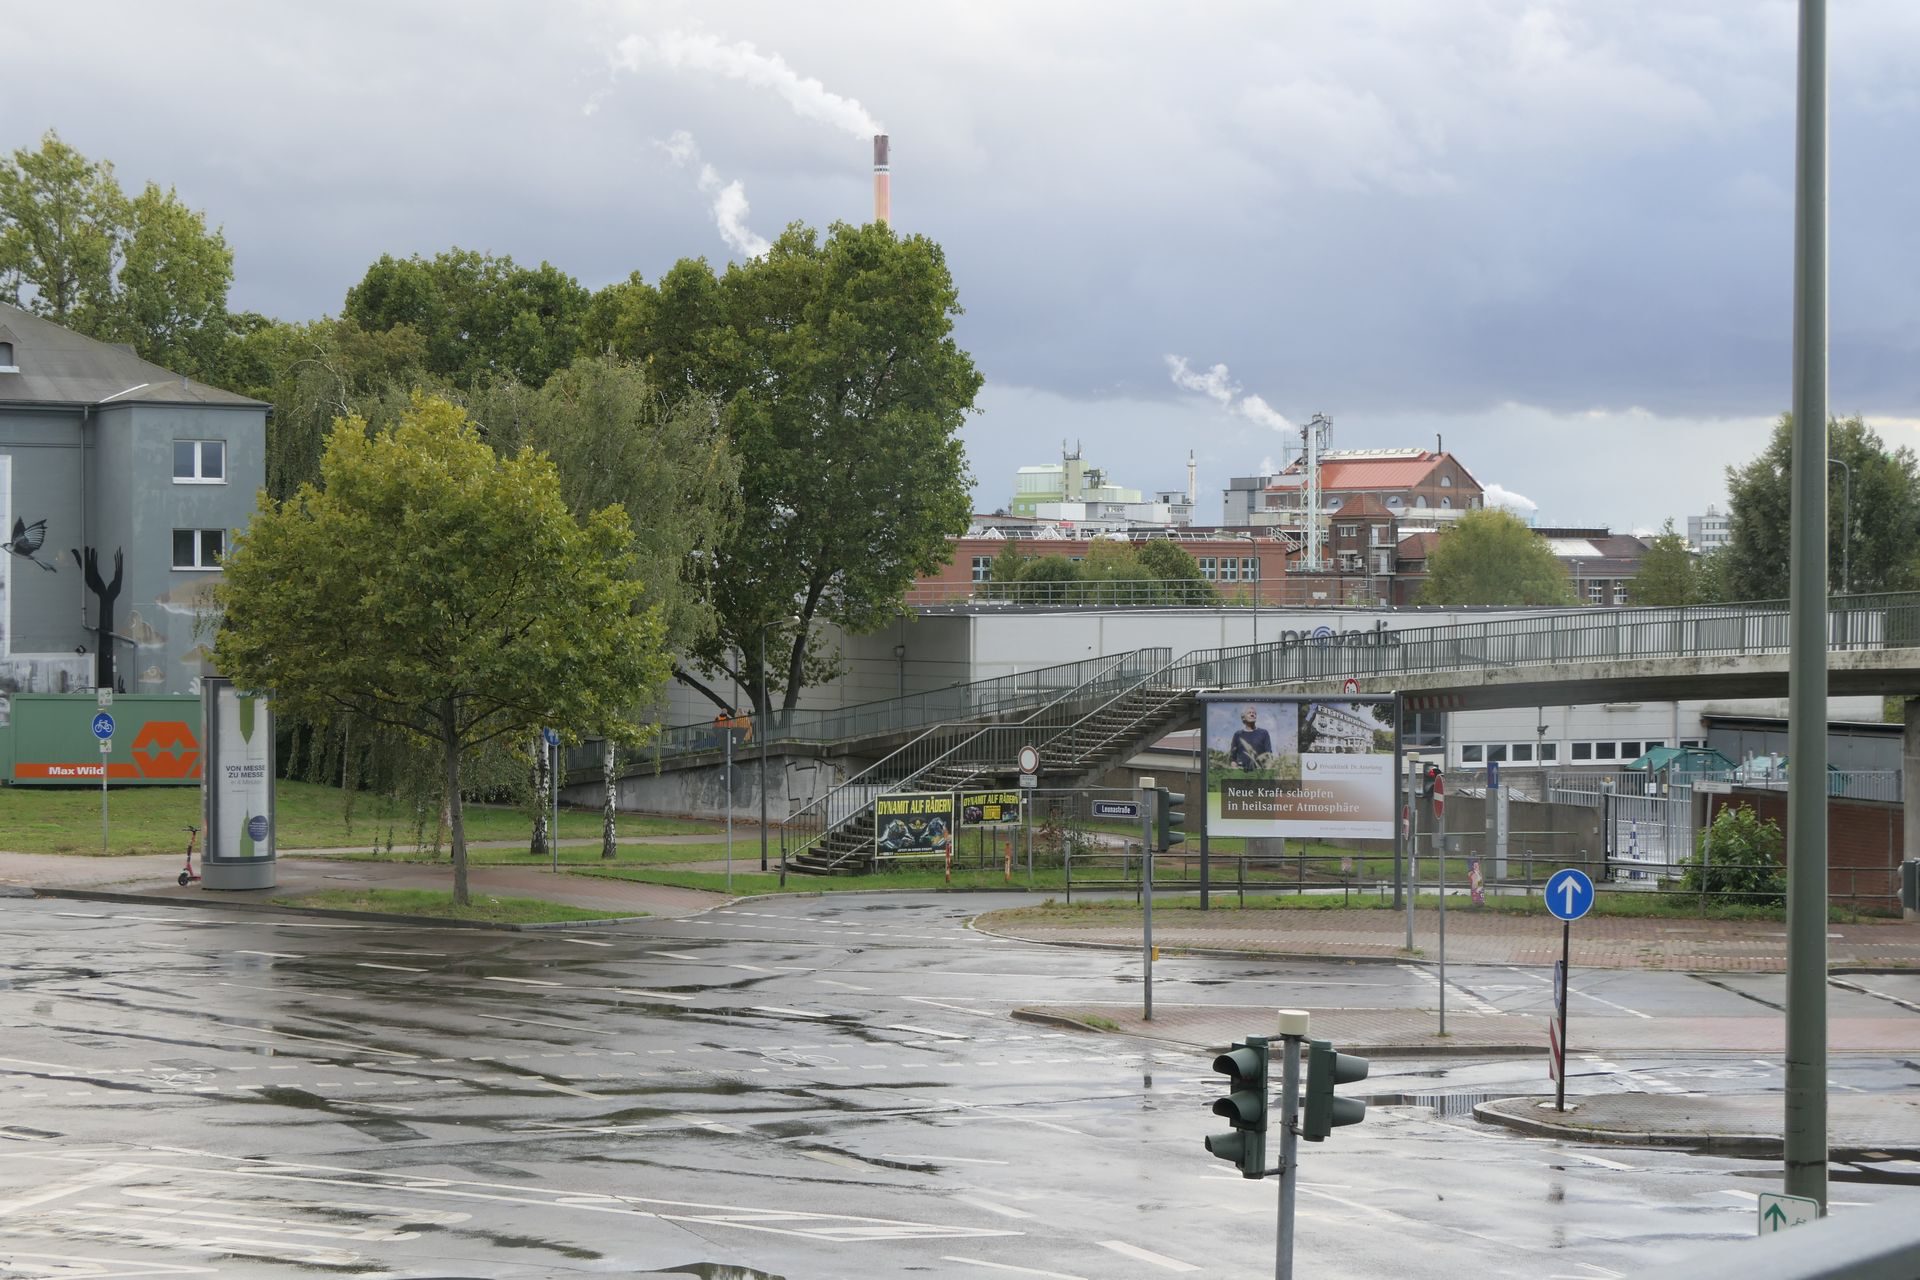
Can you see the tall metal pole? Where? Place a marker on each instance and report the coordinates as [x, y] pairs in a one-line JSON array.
[[1148, 799], [1806, 1100], [730, 808], [760, 730], [1293, 1029]]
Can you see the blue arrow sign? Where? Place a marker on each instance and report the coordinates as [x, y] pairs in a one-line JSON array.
[[103, 726], [552, 737], [1116, 808], [1569, 894]]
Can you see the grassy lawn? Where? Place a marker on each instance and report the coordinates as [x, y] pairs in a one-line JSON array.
[[637, 854], [307, 815], [439, 904], [748, 878]]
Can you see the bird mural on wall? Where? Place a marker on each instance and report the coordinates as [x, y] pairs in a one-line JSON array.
[[27, 539]]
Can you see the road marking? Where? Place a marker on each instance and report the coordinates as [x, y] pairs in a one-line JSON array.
[[60, 1190], [1005, 1211], [527, 1022], [1599, 1160], [1134, 1251], [587, 942], [525, 982], [925, 1031], [397, 968], [674, 955], [562, 1088], [652, 995], [1008, 1266], [750, 968], [829, 982], [274, 955], [797, 1013]]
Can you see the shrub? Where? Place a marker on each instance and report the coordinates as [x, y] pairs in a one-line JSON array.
[[1739, 856]]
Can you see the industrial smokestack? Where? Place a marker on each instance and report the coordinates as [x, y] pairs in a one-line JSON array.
[[882, 181]]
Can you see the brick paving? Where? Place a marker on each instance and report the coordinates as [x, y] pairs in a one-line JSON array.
[[1599, 942]]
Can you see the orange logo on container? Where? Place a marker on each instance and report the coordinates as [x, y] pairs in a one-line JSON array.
[[166, 749]]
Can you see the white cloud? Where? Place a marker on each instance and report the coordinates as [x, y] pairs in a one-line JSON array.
[[1217, 384], [1518, 503]]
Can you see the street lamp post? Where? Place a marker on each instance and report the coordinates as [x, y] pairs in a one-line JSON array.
[[900, 660], [762, 730]]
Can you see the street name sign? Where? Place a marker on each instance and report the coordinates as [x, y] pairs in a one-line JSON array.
[[1709, 787], [1778, 1212], [1569, 894], [1116, 808]]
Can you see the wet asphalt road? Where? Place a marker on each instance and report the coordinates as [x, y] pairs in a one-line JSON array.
[[812, 1088]]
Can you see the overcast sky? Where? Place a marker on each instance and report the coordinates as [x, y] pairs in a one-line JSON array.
[[1556, 234]]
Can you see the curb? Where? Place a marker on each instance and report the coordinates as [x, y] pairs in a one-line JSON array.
[[1759, 1145], [1216, 953], [328, 913], [1042, 1018]]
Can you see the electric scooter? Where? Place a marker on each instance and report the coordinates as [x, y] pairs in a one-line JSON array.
[[189, 875]]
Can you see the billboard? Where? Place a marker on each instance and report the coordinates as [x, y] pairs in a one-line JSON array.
[[990, 808], [47, 741], [911, 823], [1319, 768]]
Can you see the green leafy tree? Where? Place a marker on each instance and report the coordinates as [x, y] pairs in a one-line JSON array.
[[1710, 584], [145, 271], [1666, 574], [1178, 572], [839, 382], [1489, 556], [1740, 857], [482, 317], [1885, 524], [443, 591], [62, 217]]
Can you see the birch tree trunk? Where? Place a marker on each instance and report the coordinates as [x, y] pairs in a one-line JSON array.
[[608, 842], [542, 782]]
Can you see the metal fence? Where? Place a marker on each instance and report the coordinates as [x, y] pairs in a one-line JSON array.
[[1147, 593]]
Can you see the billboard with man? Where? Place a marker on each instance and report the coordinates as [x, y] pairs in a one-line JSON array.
[[1301, 767]]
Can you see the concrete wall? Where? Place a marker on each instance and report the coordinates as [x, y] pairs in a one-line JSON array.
[[792, 783]]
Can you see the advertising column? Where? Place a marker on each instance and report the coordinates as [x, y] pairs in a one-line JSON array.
[[238, 787]]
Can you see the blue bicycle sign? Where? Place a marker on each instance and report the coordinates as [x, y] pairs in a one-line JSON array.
[[103, 726]]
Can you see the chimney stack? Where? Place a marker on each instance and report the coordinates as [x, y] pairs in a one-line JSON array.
[[882, 181]]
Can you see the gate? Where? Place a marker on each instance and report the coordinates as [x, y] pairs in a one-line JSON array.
[[1648, 838]]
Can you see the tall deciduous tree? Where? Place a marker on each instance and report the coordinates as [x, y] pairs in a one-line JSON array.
[[437, 588], [146, 271], [843, 391], [1490, 557], [1885, 524], [482, 317], [1666, 575]]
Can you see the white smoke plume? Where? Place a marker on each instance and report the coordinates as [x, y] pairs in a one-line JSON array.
[[729, 198], [1517, 503], [680, 50], [1218, 385]]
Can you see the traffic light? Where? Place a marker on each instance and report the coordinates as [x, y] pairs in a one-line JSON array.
[[1245, 1107], [1323, 1112], [1169, 819], [1428, 778]]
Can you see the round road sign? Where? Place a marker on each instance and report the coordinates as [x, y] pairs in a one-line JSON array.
[[1569, 894], [1029, 760], [103, 726]]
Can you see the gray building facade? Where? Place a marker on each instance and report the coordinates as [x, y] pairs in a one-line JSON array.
[[121, 486]]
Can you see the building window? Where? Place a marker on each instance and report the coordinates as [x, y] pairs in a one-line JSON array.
[[1629, 751], [1394, 501], [1597, 592], [199, 461], [1497, 752], [1523, 753], [1472, 754], [1446, 482], [1583, 751], [1250, 569], [1549, 752], [1446, 503], [982, 568], [6, 358], [198, 548], [1604, 750], [1348, 530], [1420, 500], [1206, 567], [1229, 569]]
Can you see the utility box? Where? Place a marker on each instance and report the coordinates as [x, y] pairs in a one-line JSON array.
[[1910, 888]]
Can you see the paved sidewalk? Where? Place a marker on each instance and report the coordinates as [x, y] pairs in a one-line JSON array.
[[1479, 937]]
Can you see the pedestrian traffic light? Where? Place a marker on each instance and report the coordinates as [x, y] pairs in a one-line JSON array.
[[1169, 819], [1429, 777], [1245, 1107], [1323, 1111]]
